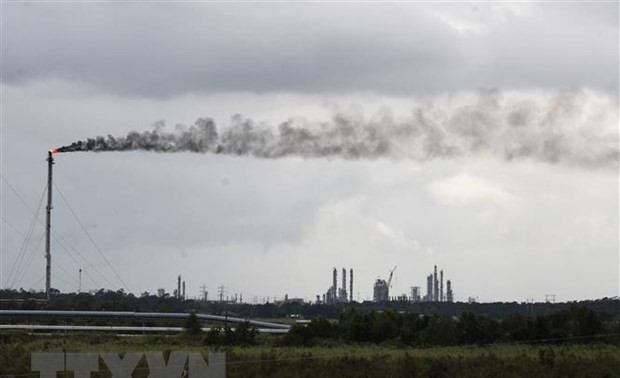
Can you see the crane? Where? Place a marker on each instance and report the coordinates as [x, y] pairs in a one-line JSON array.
[[389, 282]]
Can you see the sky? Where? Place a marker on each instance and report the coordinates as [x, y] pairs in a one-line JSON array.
[[481, 137]]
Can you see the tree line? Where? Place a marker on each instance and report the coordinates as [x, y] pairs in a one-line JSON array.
[[576, 324], [119, 300]]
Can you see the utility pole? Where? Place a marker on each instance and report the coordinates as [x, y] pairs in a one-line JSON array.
[[48, 226], [530, 302]]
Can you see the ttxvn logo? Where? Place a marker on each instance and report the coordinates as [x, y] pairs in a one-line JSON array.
[[179, 364]]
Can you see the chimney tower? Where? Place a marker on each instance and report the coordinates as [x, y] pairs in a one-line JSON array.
[[441, 297], [179, 287], [335, 285], [48, 226], [351, 285], [344, 285], [435, 286]]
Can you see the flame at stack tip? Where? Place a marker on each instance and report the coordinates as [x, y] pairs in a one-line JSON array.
[[60, 149]]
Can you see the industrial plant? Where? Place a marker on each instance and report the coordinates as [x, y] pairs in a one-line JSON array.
[[337, 294], [381, 289], [434, 290]]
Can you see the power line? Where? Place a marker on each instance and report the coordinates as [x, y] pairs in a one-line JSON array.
[[24, 247], [30, 260], [18, 232], [38, 281], [68, 275], [58, 237], [15, 191], [91, 238], [25, 243]]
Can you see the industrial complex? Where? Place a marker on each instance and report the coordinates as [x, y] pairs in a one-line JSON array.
[[335, 294], [434, 290], [381, 289], [342, 291]]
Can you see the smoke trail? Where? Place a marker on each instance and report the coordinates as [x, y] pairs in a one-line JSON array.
[[571, 127]]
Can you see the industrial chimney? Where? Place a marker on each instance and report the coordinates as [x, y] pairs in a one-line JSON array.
[[441, 297], [48, 226], [344, 285], [335, 285], [429, 288], [351, 285], [435, 286], [178, 287]]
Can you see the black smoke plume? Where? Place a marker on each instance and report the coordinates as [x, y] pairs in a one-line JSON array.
[[573, 127]]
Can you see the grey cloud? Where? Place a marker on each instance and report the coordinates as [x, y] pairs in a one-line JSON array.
[[164, 50]]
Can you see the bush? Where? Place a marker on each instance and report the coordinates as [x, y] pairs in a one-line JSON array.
[[244, 334], [193, 327]]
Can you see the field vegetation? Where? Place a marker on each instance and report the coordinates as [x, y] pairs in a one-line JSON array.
[[573, 340], [269, 359]]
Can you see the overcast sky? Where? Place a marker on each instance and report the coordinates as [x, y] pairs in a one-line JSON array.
[[484, 80]]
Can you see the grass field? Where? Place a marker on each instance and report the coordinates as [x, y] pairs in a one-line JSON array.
[[338, 360]]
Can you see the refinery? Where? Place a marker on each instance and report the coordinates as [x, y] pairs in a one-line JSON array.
[[381, 289], [338, 292]]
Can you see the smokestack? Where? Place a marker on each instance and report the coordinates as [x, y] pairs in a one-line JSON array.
[[183, 296], [351, 285], [441, 286], [344, 285], [335, 285], [48, 225], [179, 286], [435, 286], [429, 288]]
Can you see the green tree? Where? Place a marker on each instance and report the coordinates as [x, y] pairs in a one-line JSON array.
[[385, 326], [193, 327], [587, 323], [440, 331], [469, 329], [245, 334], [413, 324]]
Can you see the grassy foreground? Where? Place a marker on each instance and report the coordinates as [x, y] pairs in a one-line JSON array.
[[338, 360]]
